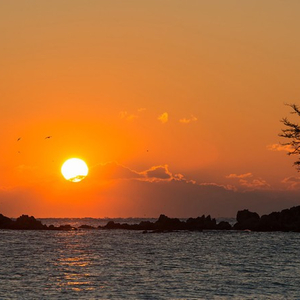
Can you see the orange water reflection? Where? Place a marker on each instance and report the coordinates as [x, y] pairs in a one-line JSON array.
[[73, 264]]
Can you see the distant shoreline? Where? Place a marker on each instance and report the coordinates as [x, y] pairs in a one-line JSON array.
[[287, 220]]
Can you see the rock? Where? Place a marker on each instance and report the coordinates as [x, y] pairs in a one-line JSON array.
[[66, 227], [224, 226], [201, 223], [166, 223], [5, 222], [146, 225], [245, 215], [247, 220], [86, 227], [112, 225], [286, 220], [25, 223]]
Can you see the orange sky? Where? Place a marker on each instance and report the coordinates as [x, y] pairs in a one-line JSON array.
[[174, 105]]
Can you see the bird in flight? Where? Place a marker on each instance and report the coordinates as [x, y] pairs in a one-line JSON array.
[[48, 137], [18, 139]]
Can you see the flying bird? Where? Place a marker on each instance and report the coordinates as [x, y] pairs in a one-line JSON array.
[[48, 137], [18, 139]]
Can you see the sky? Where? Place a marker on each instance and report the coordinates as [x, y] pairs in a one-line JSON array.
[[175, 106]]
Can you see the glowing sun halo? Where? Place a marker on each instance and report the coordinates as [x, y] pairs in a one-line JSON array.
[[74, 169]]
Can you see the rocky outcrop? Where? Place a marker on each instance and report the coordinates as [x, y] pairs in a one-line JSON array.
[[86, 227], [286, 220], [246, 220], [163, 224], [202, 223], [5, 222], [166, 224], [223, 225], [25, 222]]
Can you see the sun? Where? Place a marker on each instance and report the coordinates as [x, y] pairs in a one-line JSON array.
[[74, 169]]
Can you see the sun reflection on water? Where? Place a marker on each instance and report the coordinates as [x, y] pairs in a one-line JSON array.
[[73, 264]]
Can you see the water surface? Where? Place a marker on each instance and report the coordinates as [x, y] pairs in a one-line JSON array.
[[117, 264]]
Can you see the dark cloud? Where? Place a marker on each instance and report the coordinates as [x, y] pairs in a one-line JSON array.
[[150, 193], [185, 199]]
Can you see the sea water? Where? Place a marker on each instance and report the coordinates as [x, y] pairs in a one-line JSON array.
[[119, 264]]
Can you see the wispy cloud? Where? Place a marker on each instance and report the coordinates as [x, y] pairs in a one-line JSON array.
[[115, 171], [158, 173], [163, 117], [126, 116], [279, 147], [130, 116], [239, 176], [255, 183], [189, 120], [248, 181], [292, 183]]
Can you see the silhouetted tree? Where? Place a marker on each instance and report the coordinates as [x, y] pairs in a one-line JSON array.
[[292, 132]]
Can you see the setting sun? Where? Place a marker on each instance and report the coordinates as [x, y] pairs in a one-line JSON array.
[[74, 169]]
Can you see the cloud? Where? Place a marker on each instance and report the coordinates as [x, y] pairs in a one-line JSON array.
[[114, 171], [292, 183], [247, 181], [279, 147], [184, 199], [158, 173], [239, 176], [187, 121], [151, 192], [163, 117], [255, 183], [131, 116], [126, 116]]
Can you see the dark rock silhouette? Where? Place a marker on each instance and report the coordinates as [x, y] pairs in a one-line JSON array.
[[223, 225], [5, 222], [286, 220], [25, 222], [66, 227], [86, 227], [201, 223], [61, 227], [246, 220], [166, 224]]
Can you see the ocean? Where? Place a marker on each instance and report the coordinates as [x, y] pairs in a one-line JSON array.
[[119, 264]]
